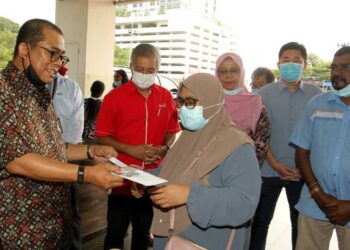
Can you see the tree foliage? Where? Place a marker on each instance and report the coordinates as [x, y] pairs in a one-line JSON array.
[[121, 56], [7, 24], [8, 33]]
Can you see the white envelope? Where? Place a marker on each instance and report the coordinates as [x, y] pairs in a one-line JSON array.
[[137, 175]]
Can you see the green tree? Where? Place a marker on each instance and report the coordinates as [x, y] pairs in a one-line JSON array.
[[7, 24], [8, 33], [121, 12], [121, 56], [317, 68]]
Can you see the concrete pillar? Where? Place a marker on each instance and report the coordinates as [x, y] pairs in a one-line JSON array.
[[88, 27]]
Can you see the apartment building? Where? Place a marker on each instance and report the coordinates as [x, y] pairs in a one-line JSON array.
[[186, 32]]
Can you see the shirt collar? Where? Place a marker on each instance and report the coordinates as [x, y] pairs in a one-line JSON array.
[[334, 98], [282, 85]]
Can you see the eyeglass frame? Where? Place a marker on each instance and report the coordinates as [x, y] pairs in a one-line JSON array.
[[57, 54], [181, 101], [228, 72], [343, 67]]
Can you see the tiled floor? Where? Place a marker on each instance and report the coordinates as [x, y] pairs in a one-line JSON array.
[[279, 237]]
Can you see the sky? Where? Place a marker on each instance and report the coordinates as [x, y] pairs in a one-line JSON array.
[[262, 26]]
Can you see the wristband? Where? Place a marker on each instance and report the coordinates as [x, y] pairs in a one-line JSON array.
[[313, 184], [88, 154], [314, 190], [80, 175]]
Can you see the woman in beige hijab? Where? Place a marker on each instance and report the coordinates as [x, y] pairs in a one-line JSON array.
[[214, 177]]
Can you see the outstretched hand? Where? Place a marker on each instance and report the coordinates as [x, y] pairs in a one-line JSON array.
[[104, 176], [102, 153]]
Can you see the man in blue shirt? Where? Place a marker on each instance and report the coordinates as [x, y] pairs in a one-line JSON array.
[[322, 141], [68, 101], [285, 101]]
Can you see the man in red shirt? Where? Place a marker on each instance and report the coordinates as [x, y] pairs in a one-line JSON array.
[[139, 119]]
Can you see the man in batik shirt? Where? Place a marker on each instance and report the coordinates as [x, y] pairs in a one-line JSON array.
[[35, 195]]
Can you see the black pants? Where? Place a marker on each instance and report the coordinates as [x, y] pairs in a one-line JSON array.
[[121, 211], [270, 191]]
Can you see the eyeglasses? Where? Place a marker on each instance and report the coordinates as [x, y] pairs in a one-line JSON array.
[[232, 71], [189, 102], [55, 55], [344, 67]]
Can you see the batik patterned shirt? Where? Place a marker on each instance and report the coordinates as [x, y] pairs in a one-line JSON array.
[[33, 214]]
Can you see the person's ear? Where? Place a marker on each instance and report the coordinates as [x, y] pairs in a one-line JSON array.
[[23, 50], [305, 65]]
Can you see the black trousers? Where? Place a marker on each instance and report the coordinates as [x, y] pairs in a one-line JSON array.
[[270, 192], [121, 211]]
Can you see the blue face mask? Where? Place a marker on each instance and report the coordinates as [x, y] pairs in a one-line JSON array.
[[232, 92], [290, 71], [344, 92], [255, 90], [193, 119]]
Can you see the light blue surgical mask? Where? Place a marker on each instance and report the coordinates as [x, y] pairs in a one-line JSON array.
[[255, 90], [193, 119], [344, 92], [290, 71], [232, 92], [116, 84]]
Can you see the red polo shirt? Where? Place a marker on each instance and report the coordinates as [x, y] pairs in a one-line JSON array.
[[130, 118]]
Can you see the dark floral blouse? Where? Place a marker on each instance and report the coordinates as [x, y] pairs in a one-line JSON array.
[[33, 214], [261, 137]]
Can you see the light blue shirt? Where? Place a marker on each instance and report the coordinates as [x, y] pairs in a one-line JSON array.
[[324, 129], [69, 106], [284, 109]]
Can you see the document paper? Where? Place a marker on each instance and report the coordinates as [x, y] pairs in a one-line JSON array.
[[137, 175]]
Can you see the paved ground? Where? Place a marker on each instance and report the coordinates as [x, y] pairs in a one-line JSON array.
[[279, 237]]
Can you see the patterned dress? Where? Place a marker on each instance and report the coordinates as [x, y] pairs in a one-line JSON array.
[[33, 214], [261, 137]]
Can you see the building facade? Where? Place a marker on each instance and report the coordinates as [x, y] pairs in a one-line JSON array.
[[186, 32]]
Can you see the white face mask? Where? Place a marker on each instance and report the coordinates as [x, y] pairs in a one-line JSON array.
[[143, 81], [233, 91]]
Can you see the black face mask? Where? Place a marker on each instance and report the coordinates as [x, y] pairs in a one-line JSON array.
[[44, 100], [34, 79]]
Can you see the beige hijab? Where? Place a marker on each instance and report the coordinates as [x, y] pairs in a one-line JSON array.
[[197, 153]]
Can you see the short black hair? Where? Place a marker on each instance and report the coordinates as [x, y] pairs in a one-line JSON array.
[[343, 51], [293, 45], [97, 89], [32, 32], [270, 77]]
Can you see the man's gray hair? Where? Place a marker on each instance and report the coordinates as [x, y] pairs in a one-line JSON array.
[[145, 50]]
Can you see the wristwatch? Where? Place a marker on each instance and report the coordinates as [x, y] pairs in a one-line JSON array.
[[80, 175]]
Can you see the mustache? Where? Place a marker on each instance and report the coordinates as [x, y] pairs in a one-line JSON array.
[[337, 79]]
